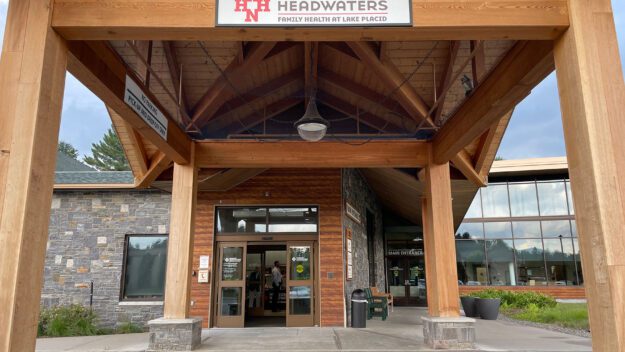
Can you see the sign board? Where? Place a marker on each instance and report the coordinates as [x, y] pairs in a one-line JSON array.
[[348, 254], [351, 212], [204, 261], [144, 107], [311, 13], [414, 252], [202, 276]]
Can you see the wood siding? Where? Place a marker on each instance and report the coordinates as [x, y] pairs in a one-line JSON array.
[[562, 292], [284, 187]]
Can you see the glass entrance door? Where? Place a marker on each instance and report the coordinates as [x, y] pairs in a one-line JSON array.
[[406, 277], [300, 284], [231, 285]]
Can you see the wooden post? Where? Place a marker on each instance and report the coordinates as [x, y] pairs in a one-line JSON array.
[[590, 82], [438, 239], [32, 79], [180, 248]]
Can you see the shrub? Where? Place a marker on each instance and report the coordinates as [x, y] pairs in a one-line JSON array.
[[128, 328], [521, 300], [72, 320]]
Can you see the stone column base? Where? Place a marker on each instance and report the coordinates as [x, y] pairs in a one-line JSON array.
[[175, 334], [449, 333]]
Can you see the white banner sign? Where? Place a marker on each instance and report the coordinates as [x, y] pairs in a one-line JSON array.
[[306, 13], [145, 108]]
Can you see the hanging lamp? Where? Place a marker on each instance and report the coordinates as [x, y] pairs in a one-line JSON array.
[[312, 127]]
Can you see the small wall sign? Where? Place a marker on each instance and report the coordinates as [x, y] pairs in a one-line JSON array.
[[144, 107], [352, 213], [348, 254], [310, 13], [204, 261], [202, 276], [412, 252]]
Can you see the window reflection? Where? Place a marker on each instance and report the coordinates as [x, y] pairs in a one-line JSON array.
[[233, 220], [526, 229], [292, 219], [497, 230], [471, 262], [475, 210], [523, 201], [530, 262], [570, 195], [145, 265], [560, 259], [470, 230], [552, 198], [556, 228], [495, 201], [500, 262]]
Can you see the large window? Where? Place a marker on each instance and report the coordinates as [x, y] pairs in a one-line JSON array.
[[263, 219], [145, 262], [520, 233]]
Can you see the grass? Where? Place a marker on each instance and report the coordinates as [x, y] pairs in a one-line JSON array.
[[569, 315]]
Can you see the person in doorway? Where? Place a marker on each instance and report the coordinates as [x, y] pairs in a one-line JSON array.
[[276, 281], [254, 288]]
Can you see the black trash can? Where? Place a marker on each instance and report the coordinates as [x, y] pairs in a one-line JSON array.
[[359, 309]]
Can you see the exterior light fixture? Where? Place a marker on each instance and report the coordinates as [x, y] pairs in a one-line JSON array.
[[312, 127], [467, 84]]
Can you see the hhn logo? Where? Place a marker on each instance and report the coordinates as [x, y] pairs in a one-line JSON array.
[[251, 15]]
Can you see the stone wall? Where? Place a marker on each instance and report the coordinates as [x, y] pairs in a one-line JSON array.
[[86, 244], [358, 194]]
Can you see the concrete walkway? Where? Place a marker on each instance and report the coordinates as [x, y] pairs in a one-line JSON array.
[[401, 332]]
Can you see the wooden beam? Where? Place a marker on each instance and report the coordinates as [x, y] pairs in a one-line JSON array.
[[438, 241], [32, 78], [489, 144], [159, 163], [101, 70], [224, 117], [177, 301], [176, 76], [592, 92], [463, 162], [525, 65], [478, 63], [227, 179], [131, 143], [221, 90], [243, 124], [195, 20], [311, 59], [300, 154], [446, 77], [394, 80]]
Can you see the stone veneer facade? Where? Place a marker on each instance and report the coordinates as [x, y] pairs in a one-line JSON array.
[[358, 194], [86, 244]]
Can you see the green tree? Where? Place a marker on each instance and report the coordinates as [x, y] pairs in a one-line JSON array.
[[499, 158], [68, 149], [108, 154]]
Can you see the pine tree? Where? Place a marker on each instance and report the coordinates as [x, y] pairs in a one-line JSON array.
[[108, 154], [68, 149]]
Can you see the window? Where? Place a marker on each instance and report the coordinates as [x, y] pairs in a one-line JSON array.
[[530, 262], [471, 262], [475, 210], [557, 228], [560, 259], [470, 230], [230, 220], [570, 197], [144, 267], [552, 198], [523, 201], [500, 262], [495, 201], [497, 230], [526, 229]]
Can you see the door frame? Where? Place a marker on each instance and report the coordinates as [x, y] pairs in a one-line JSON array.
[[237, 321], [301, 320]]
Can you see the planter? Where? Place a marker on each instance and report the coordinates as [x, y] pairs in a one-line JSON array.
[[468, 305], [488, 308]]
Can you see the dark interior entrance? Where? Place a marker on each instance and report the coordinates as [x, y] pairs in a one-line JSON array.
[[259, 307]]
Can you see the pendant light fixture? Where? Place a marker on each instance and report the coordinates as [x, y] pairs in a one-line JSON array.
[[312, 127]]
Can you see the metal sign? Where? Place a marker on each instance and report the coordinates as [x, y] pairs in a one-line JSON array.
[[144, 107], [352, 212], [406, 251], [310, 13]]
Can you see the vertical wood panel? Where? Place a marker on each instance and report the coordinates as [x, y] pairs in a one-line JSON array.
[[590, 82], [181, 234], [32, 78], [320, 187]]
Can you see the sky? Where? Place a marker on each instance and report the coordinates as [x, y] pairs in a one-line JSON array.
[[535, 129]]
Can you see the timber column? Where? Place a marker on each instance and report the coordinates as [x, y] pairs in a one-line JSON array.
[[32, 78], [176, 331], [444, 328], [590, 82]]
